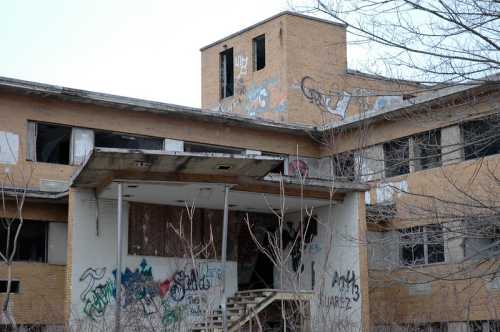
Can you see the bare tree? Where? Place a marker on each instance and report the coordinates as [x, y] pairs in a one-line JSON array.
[[14, 187], [449, 41]]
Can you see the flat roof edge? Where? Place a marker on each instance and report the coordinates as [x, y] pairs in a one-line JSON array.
[[136, 104], [253, 26]]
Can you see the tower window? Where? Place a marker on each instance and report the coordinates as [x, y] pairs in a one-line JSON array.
[[226, 74], [259, 52]]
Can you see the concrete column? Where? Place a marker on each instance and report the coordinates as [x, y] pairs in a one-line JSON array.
[[454, 242], [451, 145], [413, 154]]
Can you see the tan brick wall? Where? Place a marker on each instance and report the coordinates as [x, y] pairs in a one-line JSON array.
[[455, 300], [257, 93], [296, 47], [41, 295]]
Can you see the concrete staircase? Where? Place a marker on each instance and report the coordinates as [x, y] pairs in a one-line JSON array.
[[244, 306]]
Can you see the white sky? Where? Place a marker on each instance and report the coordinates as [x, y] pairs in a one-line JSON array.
[[147, 49]]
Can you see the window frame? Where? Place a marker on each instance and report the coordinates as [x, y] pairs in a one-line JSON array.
[[426, 242], [390, 170], [490, 122], [226, 73], [33, 133], [259, 41], [422, 162], [44, 226]]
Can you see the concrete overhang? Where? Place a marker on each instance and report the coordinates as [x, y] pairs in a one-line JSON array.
[[251, 174], [34, 195]]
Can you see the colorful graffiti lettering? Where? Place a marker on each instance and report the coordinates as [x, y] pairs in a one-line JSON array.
[[172, 298], [183, 283], [334, 103], [172, 314], [139, 287], [96, 298], [266, 96]]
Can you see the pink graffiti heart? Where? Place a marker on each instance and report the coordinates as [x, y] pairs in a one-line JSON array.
[[165, 287]]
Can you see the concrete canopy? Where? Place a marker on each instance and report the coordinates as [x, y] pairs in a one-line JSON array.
[[245, 173]]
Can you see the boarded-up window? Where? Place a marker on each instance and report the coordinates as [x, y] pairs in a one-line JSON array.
[[167, 231]]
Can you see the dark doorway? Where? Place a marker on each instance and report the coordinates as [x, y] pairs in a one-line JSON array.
[[255, 269]]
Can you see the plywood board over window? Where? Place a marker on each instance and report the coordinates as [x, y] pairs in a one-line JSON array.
[[169, 231]]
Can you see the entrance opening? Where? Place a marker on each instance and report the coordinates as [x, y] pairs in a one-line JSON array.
[[255, 269]]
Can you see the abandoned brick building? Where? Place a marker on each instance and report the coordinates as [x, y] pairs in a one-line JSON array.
[[115, 183]]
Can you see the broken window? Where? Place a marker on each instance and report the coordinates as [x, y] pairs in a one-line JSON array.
[[14, 286], [52, 143], [482, 239], [32, 241], [344, 166], [226, 74], [107, 139], [427, 149], [205, 148], [481, 137], [279, 169], [421, 245], [259, 52], [162, 230], [396, 157]]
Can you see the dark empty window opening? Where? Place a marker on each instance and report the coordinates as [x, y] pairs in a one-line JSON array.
[[204, 148], [280, 168], [106, 139], [427, 148], [344, 166], [32, 241], [259, 52], [14, 286], [226, 74], [481, 137], [53, 143], [396, 157]]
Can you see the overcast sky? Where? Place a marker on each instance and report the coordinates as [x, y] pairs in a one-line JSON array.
[[147, 49]]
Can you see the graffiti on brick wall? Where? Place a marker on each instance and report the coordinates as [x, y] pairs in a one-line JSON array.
[[333, 103], [173, 299], [346, 290], [256, 99], [241, 64]]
